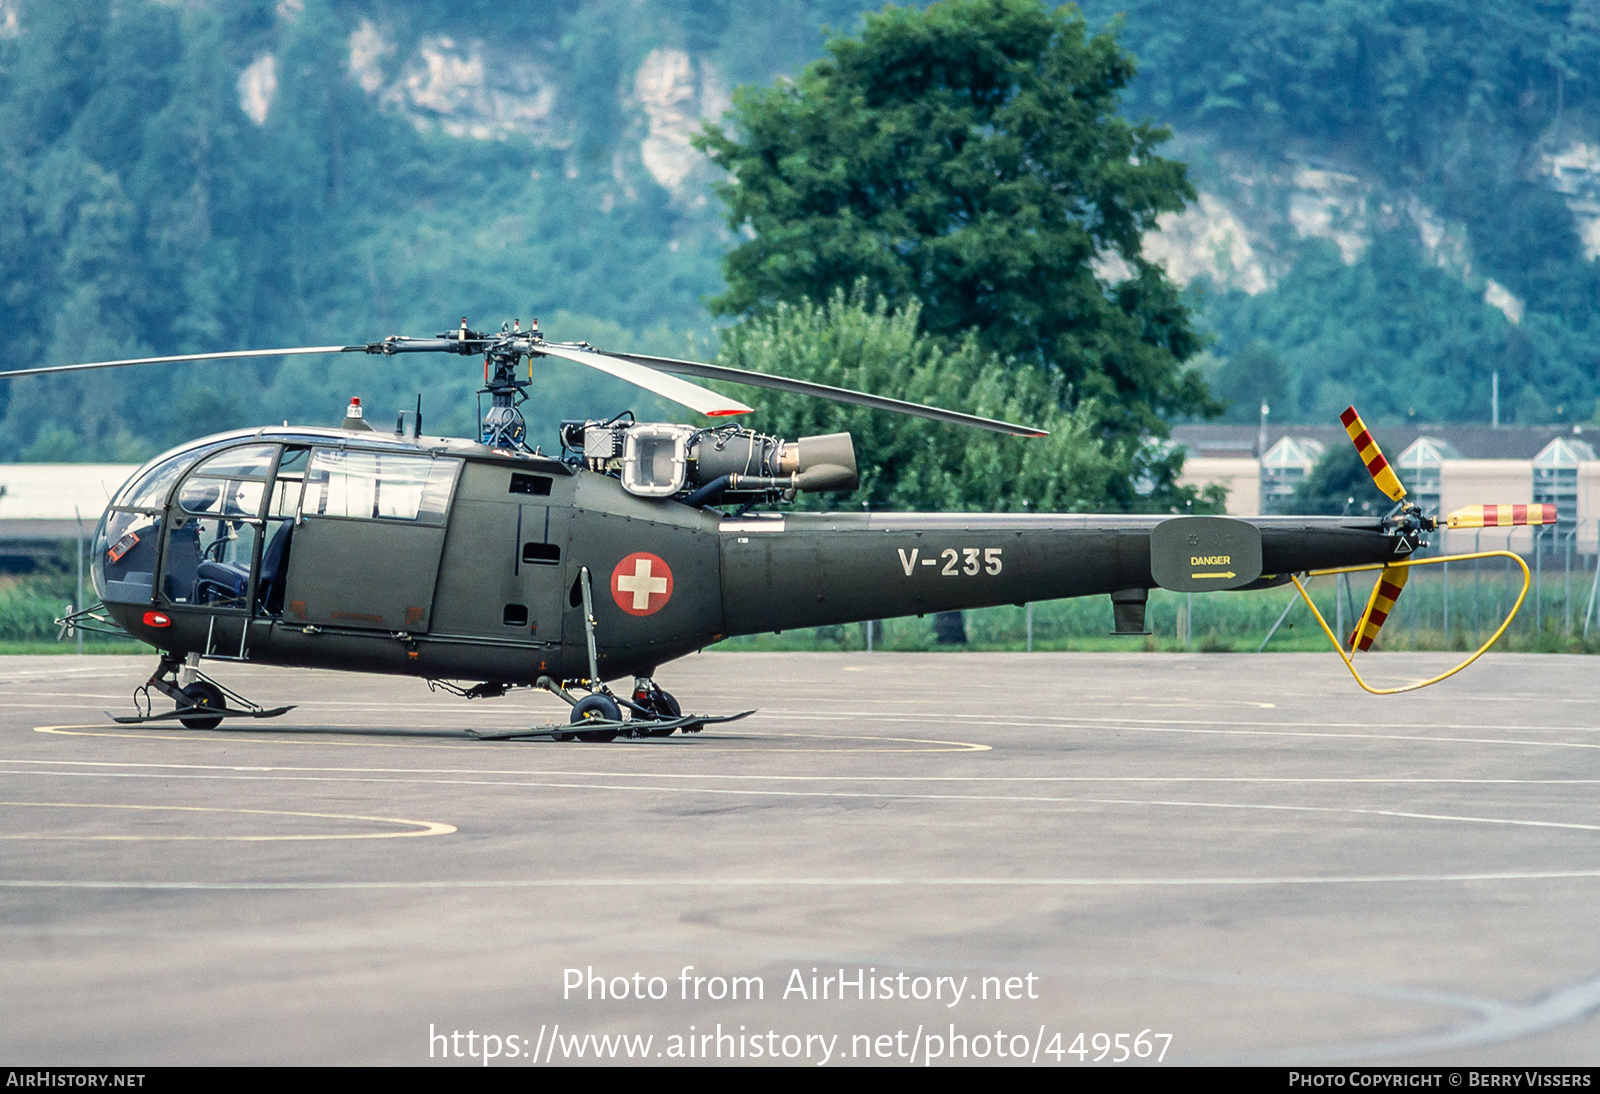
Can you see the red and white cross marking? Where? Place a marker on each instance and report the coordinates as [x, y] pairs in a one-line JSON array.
[[642, 583]]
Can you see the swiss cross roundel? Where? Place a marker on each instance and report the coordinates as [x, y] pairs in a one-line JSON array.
[[642, 583]]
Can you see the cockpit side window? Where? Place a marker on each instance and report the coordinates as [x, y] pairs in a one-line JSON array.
[[222, 497], [208, 561], [291, 481], [212, 539], [233, 483]]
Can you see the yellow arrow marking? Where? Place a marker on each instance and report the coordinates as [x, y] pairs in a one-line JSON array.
[[1202, 577]]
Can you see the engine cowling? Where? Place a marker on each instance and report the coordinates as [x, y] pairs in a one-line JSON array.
[[661, 460]]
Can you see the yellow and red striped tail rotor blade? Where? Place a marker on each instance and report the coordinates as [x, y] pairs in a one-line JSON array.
[[1501, 516], [1377, 466], [1379, 605]]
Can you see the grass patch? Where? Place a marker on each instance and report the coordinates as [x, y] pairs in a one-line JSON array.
[[1431, 615], [29, 607]]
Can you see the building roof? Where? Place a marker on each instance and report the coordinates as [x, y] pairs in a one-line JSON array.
[[1473, 441], [1428, 451], [59, 491], [1296, 452]]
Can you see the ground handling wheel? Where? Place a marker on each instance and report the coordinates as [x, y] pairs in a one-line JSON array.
[[596, 707], [202, 694]]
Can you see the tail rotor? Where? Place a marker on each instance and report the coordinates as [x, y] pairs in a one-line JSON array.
[[1386, 592], [1501, 516], [1371, 455]]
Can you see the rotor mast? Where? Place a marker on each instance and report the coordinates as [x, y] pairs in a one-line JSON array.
[[503, 425]]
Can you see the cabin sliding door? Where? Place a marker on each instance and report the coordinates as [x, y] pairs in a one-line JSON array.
[[364, 549]]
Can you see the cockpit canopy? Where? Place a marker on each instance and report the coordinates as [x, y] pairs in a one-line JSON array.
[[215, 518]]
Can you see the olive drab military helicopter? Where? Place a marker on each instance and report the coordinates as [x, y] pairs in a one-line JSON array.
[[487, 565]]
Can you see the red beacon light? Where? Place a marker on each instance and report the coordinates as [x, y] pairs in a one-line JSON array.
[[353, 418], [157, 619]]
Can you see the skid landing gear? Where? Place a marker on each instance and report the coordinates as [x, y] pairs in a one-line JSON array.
[[202, 703], [599, 716]]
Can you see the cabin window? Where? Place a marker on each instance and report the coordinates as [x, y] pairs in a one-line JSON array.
[[290, 482], [537, 485], [378, 486]]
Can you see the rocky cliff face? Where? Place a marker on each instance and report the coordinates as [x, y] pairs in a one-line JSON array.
[[1243, 232], [1572, 169], [1245, 229], [466, 88], [480, 89]]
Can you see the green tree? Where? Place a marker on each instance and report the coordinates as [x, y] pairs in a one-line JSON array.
[[969, 157], [1249, 378], [1339, 484], [911, 463]]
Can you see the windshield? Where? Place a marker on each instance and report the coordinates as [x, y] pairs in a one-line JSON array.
[[148, 487]]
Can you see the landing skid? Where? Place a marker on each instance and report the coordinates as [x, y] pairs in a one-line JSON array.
[[202, 703], [632, 727], [194, 712]]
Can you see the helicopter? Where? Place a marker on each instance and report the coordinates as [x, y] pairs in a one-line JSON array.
[[491, 562]]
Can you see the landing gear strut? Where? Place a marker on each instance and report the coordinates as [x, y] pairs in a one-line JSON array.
[[657, 705]]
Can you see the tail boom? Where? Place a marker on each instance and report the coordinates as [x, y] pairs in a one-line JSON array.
[[809, 570]]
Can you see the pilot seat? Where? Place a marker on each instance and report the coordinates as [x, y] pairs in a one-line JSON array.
[[227, 582]]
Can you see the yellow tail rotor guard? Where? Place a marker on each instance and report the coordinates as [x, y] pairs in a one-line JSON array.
[[1349, 658]]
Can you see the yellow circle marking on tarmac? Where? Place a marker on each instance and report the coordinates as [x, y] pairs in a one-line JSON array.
[[945, 746], [419, 828], [289, 737]]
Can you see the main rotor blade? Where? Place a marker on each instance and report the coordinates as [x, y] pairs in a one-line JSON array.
[[693, 396], [237, 353], [828, 391]]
